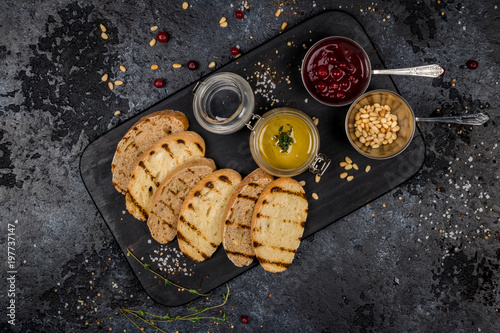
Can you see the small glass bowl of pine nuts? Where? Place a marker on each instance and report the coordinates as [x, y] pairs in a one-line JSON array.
[[380, 124]]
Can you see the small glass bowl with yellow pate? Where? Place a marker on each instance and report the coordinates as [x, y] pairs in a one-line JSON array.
[[285, 142]]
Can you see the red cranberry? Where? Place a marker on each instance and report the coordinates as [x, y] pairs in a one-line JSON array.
[[344, 84], [332, 58], [192, 65], [353, 79], [340, 95], [162, 37], [321, 86], [239, 14], [444, 71], [337, 74], [235, 51], [159, 83], [244, 319], [322, 71], [334, 86], [472, 64], [342, 64]]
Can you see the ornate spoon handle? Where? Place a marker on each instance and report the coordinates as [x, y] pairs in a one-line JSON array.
[[428, 71], [471, 119]]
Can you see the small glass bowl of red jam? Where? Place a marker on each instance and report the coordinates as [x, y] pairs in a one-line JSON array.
[[336, 70]]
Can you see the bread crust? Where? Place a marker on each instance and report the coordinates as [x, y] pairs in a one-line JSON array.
[[168, 199], [199, 226], [139, 138], [237, 217], [278, 224], [154, 165]]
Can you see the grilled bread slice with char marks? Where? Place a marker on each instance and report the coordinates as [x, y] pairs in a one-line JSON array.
[[199, 229], [140, 138], [167, 201], [237, 217], [278, 224], [154, 165]]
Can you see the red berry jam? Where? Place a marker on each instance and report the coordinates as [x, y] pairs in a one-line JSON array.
[[239, 14], [336, 71], [192, 65], [472, 64], [162, 37], [159, 83]]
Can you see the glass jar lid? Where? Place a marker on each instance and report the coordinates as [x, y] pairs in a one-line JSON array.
[[223, 103]]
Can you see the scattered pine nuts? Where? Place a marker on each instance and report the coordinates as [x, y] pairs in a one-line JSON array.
[[176, 65], [152, 42], [348, 160], [343, 175], [350, 178], [154, 67], [278, 13], [117, 112], [223, 25], [211, 65], [302, 183], [104, 77], [283, 25], [355, 166], [154, 28], [315, 196], [368, 168], [104, 35], [103, 28], [317, 178], [118, 83], [185, 5], [123, 69], [110, 85]]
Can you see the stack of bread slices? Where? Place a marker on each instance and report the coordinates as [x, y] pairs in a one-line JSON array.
[[161, 168]]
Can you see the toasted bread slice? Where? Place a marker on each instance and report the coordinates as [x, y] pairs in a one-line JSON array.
[[237, 217], [167, 201], [199, 226], [278, 223], [154, 165], [140, 138]]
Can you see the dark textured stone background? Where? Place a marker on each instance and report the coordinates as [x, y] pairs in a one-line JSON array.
[[423, 258]]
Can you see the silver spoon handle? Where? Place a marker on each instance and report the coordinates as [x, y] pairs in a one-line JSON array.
[[428, 71], [470, 119]]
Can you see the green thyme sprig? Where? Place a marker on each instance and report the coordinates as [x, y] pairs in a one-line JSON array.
[[137, 317], [167, 281], [284, 139]]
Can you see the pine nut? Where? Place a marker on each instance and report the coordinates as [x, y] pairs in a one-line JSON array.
[[104, 35], [348, 160], [355, 166], [185, 5], [223, 24], [348, 166], [317, 178], [154, 28], [302, 183], [315, 196], [154, 67], [123, 69], [176, 65], [118, 83], [103, 28], [152, 42], [110, 85], [343, 164], [283, 26], [350, 178], [211, 65], [278, 13], [222, 20], [343, 175], [117, 112], [368, 168], [104, 77]]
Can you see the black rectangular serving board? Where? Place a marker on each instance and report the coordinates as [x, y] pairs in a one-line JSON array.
[[276, 64]]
